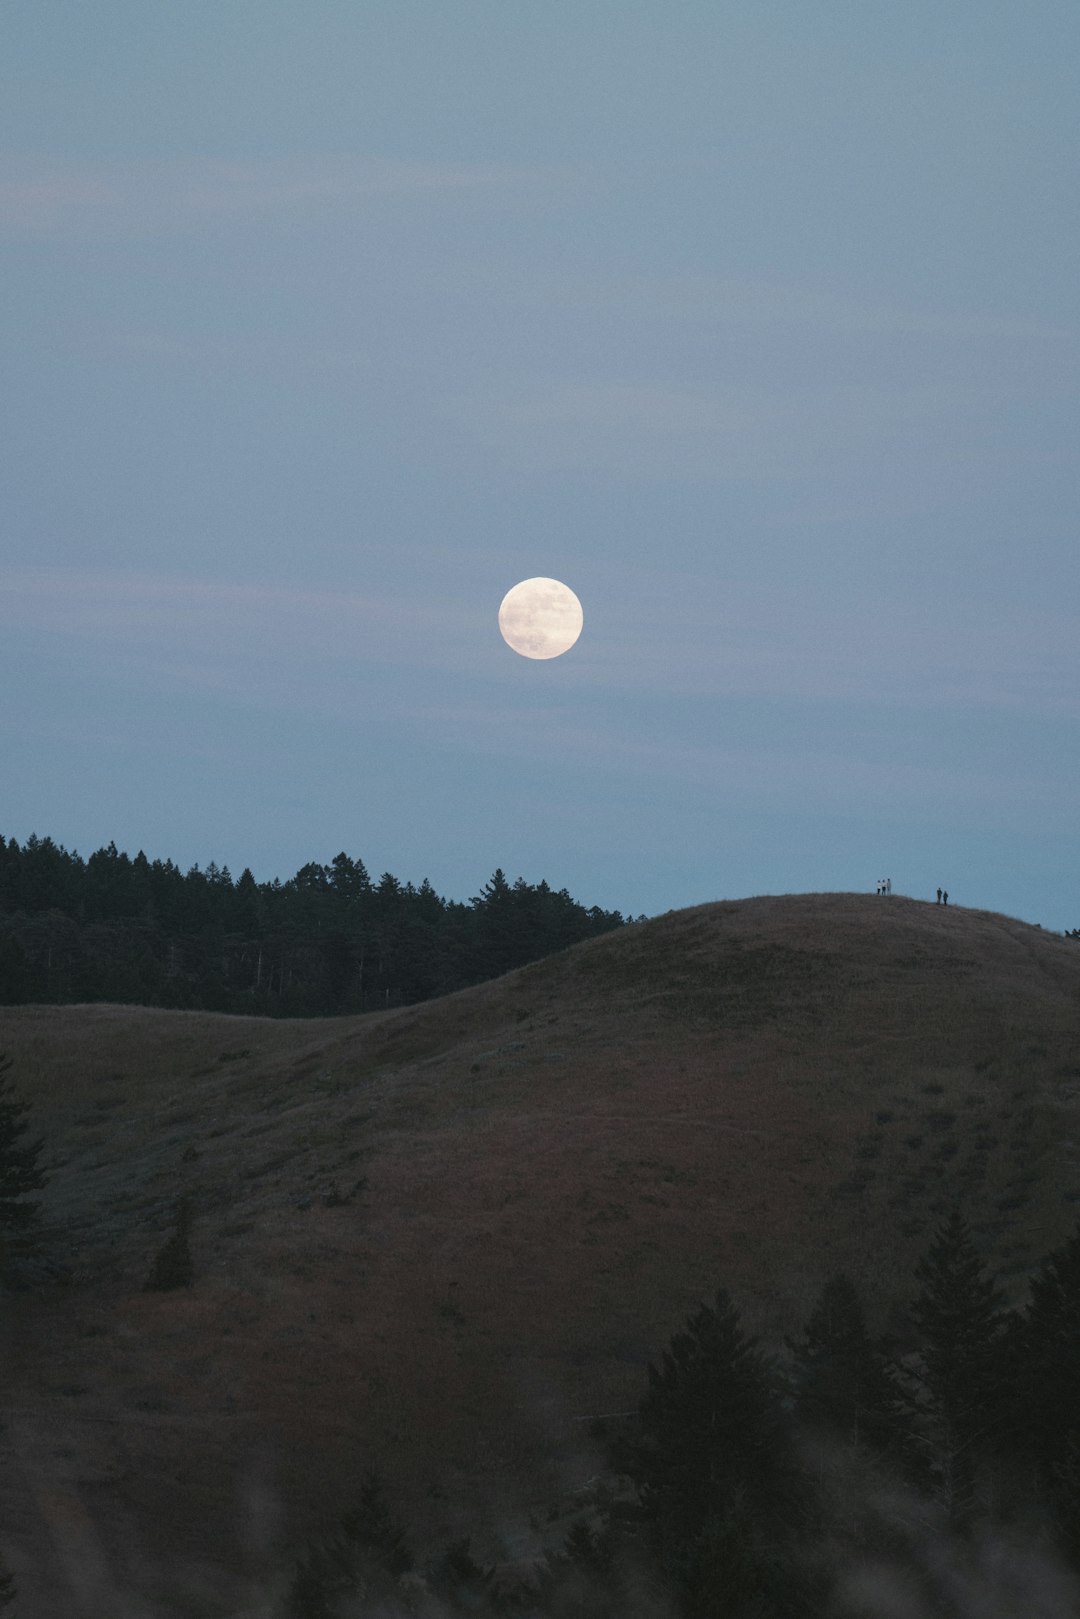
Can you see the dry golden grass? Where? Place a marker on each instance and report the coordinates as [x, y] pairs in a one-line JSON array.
[[439, 1238]]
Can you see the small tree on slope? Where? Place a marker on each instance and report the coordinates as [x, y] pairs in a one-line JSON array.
[[20, 1172], [173, 1267]]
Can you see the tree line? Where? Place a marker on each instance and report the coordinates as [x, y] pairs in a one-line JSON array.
[[329, 940]]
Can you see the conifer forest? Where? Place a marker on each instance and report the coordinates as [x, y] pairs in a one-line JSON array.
[[330, 940]]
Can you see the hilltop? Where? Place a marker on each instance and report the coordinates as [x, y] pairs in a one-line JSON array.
[[442, 1238]]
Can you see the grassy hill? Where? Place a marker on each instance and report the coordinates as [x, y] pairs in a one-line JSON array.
[[442, 1239]]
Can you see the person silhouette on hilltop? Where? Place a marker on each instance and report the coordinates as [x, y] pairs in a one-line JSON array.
[[944, 896], [939, 896]]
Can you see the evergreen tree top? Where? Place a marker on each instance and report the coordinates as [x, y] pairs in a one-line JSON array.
[[959, 1303]]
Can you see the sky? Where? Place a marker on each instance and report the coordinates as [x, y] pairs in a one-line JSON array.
[[756, 323]]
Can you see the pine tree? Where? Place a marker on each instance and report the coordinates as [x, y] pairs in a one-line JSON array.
[[20, 1172], [581, 1580], [372, 1530], [1045, 1359], [714, 1466], [954, 1389], [841, 1382], [349, 879], [317, 1582], [366, 1556], [461, 1584]]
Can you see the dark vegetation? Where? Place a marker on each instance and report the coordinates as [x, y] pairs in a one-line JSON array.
[[759, 1489], [173, 1266], [20, 1175], [327, 941]]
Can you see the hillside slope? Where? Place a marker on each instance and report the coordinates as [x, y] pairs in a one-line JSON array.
[[440, 1239]]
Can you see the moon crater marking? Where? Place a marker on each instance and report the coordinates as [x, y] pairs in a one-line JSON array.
[[540, 618]]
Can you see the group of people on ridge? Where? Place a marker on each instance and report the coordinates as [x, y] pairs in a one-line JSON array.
[[885, 887]]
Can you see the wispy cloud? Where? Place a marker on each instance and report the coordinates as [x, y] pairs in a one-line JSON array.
[[665, 638], [783, 642], [42, 198], [34, 199], [778, 777], [166, 618], [650, 429], [655, 693], [723, 302]]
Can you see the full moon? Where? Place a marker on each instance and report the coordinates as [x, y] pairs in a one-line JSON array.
[[540, 618]]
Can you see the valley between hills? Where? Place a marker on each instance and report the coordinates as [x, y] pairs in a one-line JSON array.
[[442, 1240]]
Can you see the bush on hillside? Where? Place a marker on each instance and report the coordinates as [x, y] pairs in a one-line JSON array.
[[20, 1174], [173, 1266]]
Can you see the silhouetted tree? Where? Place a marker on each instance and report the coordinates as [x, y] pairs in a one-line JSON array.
[[320, 1578], [460, 1583], [714, 1467], [1045, 1361], [18, 981], [371, 1528], [585, 1579], [841, 1383], [349, 880], [365, 1556], [954, 1387]]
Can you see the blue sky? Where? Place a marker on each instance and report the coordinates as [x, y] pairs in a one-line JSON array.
[[321, 326]]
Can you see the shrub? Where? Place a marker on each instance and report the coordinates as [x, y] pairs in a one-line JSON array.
[[173, 1267], [20, 1173]]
